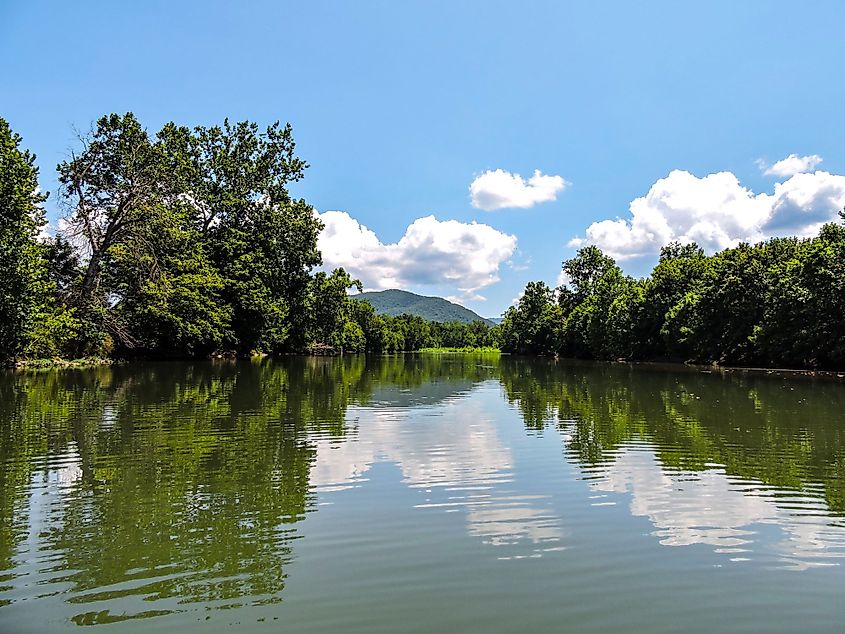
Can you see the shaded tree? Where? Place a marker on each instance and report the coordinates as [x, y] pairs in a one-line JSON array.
[[22, 268], [533, 325]]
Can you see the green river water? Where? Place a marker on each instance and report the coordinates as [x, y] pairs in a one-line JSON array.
[[452, 493]]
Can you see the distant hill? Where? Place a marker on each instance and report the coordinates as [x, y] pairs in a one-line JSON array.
[[395, 302]]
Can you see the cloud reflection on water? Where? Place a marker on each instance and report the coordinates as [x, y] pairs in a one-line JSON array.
[[712, 508], [456, 464]]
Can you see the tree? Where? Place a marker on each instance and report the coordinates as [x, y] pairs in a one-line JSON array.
[[262, 242], [533, 325], [677, 272], [169, 292], [328, 308], [22, 268], [191, 241], [720, 313], [364, 316], [55, 327], [598, 307], [584, 272], [416, 331], [109, 185], [804, 301]]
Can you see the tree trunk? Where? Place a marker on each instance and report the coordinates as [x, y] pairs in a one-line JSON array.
[[90, 279]]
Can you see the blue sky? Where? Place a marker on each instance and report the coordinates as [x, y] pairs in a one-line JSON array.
[[399, 107]]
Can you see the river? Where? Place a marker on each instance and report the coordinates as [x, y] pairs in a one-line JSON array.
[[453, 492]]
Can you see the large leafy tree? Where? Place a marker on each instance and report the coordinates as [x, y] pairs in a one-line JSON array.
[[262, 241], [533, 325], [189, 238], [778, 302], [329, 309], [675, 275], [109, 188], [22, 270], [599, 304], [170, 293]]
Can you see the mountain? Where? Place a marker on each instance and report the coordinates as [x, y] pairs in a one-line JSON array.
[[395, 302]]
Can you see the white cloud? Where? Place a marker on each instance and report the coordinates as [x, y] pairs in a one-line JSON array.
[[562, 279], [467, 297], [450, 254], [717, 212], [792, 164], [66, 230], [498, 189]]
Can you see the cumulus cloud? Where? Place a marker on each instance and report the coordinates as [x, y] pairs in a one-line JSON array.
[[498, 189], [562, 279], [452, 254], [717, 212], [792, 164]]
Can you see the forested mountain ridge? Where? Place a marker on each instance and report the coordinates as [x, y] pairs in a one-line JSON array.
[[394, 302]]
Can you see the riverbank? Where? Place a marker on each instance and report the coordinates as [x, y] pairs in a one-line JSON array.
[[672, 366], [836, 375], [465, 349], [58, 363]]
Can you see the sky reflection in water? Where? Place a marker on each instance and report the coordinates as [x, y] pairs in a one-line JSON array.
[[161, 493]]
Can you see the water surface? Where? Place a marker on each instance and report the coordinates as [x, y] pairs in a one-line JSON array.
[[420, 493]]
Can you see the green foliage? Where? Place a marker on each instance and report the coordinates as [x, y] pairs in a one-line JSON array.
[[678, 268], [352, 338], [22, 270], [328, 309], [52, 331], [263, 242], [805, 300], [193, 242], [598, 306], [779, 302], [170, 292], [187, 243], [408, 333], [534, 325], [461, 350]]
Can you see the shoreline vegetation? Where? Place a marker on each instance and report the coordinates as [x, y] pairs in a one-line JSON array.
[[461, 349], [38, 365], [775, 304], [61, 364], [186, 243]]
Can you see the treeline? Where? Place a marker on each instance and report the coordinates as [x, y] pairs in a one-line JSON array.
[[775, 303], [182, 243], [365, 331]]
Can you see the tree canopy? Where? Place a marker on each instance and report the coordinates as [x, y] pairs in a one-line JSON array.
[[776, 303], [22, 264], [188, 242]]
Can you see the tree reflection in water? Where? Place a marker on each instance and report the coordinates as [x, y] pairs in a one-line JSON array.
[[168, 484]]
